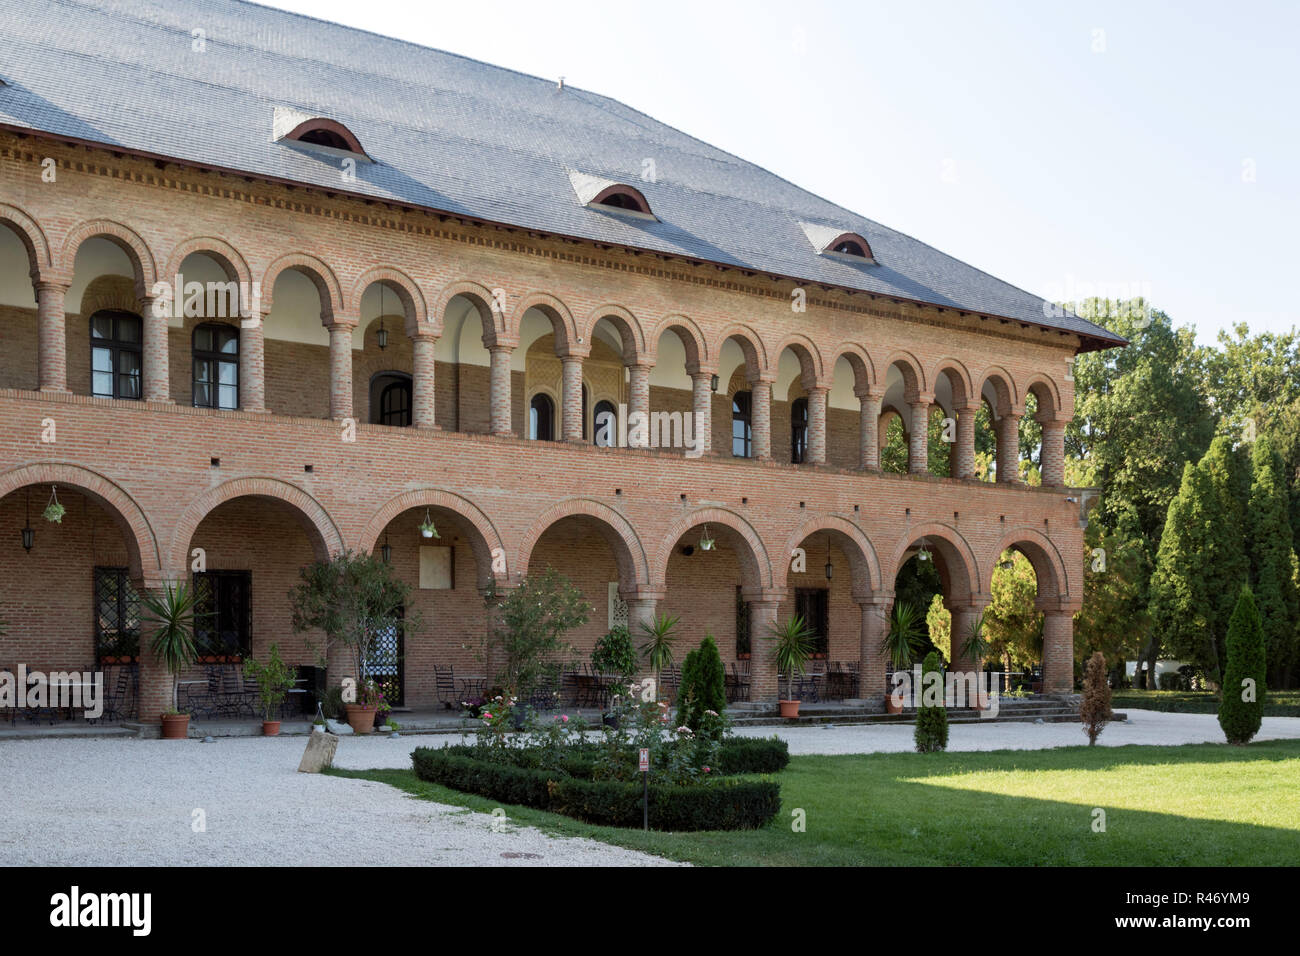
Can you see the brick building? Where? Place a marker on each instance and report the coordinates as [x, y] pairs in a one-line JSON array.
[[416, 286]]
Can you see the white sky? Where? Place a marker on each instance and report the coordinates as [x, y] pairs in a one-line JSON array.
[[1141, 147]]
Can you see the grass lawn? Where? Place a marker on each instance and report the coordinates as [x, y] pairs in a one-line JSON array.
[[1277, 703], [1202, 804]]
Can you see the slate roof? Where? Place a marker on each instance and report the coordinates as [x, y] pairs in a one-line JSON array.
[[446, 133]]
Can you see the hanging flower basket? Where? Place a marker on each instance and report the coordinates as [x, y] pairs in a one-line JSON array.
[[54, 511], [427, 528]]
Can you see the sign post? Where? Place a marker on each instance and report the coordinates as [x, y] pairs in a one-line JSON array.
[[645, 788]]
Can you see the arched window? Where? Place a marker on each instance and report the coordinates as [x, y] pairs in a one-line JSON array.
[[799, 430], [115, 355], [606, 423], [851, 247], [620, 196], [742, 425], [216, 366], [541, 418], [326, 132], [395, 404]]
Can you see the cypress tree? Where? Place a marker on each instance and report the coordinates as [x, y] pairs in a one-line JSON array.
[[704, 684], [931, 722], [1226, 565], [1179, 595], [1241, 708], [1271, 560]]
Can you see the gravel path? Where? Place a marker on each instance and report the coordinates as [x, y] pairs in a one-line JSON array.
[[1142, 727], [131, 802]]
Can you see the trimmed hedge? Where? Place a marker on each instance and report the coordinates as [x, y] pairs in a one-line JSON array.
[[753, 755], [727, 803]]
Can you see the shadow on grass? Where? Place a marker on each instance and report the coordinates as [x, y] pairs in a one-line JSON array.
[[926, 809]]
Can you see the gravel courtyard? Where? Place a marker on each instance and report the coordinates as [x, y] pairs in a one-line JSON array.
[[116, 801]]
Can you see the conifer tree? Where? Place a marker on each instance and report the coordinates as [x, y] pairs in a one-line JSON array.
[[1241, 709], [1271, 560]]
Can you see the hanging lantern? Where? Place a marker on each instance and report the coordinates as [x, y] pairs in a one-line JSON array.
[[382, 335], [714, 381], [706, 543], [829, 569], [386, 552], [29, 535], [427, 529]]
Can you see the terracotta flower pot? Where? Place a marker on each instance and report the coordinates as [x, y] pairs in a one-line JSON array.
[[361, 717], [175, 726], [789, 708], [893, 705], [270, 728]]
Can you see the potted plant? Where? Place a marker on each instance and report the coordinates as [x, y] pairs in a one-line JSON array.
[[274, 678], [791, 650], [977, 646], [614, 654], [900, 644], [661, 635], [169, 618]]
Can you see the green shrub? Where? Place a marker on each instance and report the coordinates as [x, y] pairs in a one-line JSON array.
[[753, 755], [499, 781], [931, 722], [704, 685], [614, 653], [727, 804], [1242, 707]]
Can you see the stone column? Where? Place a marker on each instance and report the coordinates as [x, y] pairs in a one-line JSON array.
[[702, 408], [423, 393], [869, 400], [918, 436], [1053, 454], [340, 370], [571, 398], [761, 412], [638, 397], [1008, 429], [156, 385], [52, 340], [817, 425], [499, 389], [1058, 651], [964, 459], [763, 605], [252, 363], [874, 624]]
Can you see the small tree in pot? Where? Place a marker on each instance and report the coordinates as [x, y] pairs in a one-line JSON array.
[[169, 619], [791, 650], [661, 635], [274, 678], [528, 628], [900, 643]]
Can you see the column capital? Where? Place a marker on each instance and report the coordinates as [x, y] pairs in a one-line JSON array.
[[643, 593], [765, 596], [700, 368], [342, 323], [974, 602], [497, 346], [1015, 411], [818, 388], [51, 280], [877, 599], [574, 354], [1047, 420], [972, 406], [427, 330], [922, 398], [1060, 605], [763, 378], [876, 392]]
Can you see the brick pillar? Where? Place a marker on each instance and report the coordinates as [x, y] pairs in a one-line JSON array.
[[52, 341], [1008, 429], [1058, 651], [964, 460], [869, 428], [641, 609], [423, 394], [1053, 454], [156, 385], [873, 625], [761, 408], [155, 681], [252, 363], [340, 370], [963, 616], [817, 425], [500, 388], [571, 398], [702, 406], [918, 436], [638, 398], [763, 605]]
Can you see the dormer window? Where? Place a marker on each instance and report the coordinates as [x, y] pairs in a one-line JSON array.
[[606, 194], [318, 132], [623, 197], [851, 247], [829, 241]]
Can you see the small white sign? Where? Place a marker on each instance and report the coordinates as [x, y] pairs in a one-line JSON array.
[[645, 759]]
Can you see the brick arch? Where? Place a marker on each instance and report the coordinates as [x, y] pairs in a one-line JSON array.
[[324, 534], [959, 569], [864, 370], [1003, 384], [755, 565], [484, 539], [226, 256], [751, 344], [811, 366], [31, 235], [689, 334], [495, 327], [629, 552], [321, 276], [563, 325], [1049, 566], [629, 331], [142, 543], [407, 292], [1049, 397], [126, 239], [853, 541], [914, 380], [958, 376]]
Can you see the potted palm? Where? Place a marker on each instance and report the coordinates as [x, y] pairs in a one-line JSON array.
[[900, 643], [977, 647], [661, 635], [793, 646], [274, 678], [169, 618]]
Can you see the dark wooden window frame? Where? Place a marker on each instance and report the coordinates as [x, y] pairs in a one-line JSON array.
[[118, 348], [216, 358]]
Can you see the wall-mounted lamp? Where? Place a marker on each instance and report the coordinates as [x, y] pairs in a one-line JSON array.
[[382, 335], [386, 552], [29, 535], [829, 569], [714, 381]]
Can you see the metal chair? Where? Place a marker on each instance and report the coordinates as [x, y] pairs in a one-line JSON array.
[[444, 684]]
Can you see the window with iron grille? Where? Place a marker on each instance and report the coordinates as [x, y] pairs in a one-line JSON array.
[[742, 625], [813, 605], [117, 617], [223, 613]]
